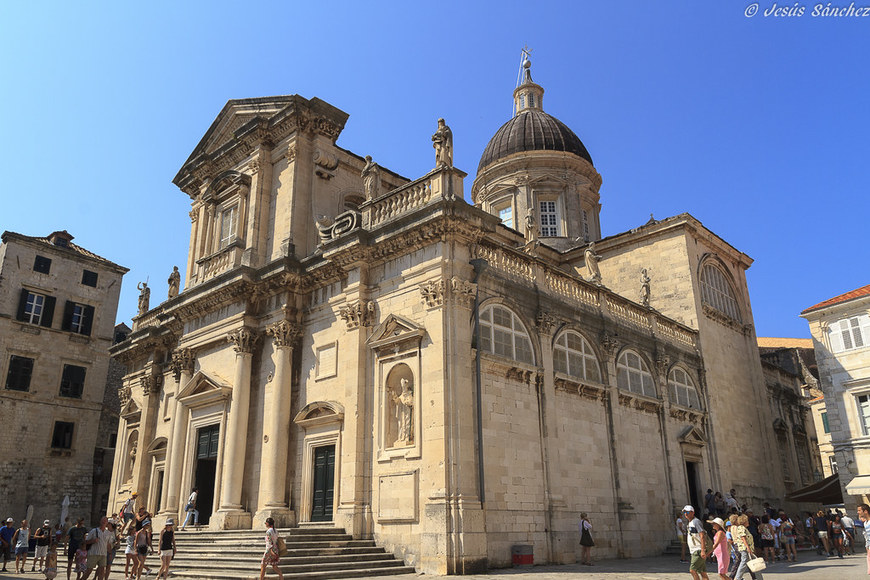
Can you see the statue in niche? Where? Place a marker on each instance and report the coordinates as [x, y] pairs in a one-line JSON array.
[[531, 226], [644, 288], [174, 282], [404, 413], [442, 141], [134, 448], [144, 297], [591, 259], [371, 175]]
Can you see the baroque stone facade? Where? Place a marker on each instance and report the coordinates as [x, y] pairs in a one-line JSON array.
[[379, 353], [58, 303]]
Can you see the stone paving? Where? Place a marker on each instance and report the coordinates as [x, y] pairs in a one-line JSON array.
[[810, 567]]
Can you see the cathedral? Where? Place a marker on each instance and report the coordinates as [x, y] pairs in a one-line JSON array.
[[450, 378]]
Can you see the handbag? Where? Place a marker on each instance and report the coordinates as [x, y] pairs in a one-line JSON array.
[[756, 564], [585, 536], [282, 546]]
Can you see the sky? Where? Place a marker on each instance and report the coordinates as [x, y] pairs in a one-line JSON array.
[[754, 123]]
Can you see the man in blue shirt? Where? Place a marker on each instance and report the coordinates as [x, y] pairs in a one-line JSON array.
[[6, 533]]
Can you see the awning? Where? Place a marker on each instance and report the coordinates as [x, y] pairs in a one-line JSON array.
[[826, 491], [859, 485]]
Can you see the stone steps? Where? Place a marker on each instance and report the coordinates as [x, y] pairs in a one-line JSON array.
[[313, 553]]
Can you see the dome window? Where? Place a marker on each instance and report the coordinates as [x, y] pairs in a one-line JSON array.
[[549, 218]]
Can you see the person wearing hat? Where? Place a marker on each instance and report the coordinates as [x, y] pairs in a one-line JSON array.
[[43, 539], [128, 510], [695, 540], [6, 533], [167, 548], [143, 546], [720, 547]]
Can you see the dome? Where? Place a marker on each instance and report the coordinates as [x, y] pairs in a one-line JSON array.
[[532, 130]]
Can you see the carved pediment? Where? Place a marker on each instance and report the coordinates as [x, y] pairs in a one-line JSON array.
[[394, 331], [157, 446], [691, 435], [319, 413], [202, 389], [131, 411]]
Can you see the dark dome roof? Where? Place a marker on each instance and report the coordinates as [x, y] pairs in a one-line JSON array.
[[532, 130]]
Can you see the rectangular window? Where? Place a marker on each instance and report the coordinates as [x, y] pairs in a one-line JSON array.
[[89, 278], [35, 308], [549, 219], [42, 265], [825, 424], [864, 412], [229, 223], [506, 215], [833, 463], [20, 371], [850, 333], [72, 384], [62, 437], [77, 318]]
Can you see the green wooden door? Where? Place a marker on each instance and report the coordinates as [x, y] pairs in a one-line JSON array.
[[324, 484]]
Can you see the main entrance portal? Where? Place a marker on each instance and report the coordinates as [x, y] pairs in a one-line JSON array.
[[207, 441], [324, 484]]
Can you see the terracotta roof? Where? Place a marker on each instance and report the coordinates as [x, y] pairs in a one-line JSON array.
[[70, 246], [858, 293], [773, 342]]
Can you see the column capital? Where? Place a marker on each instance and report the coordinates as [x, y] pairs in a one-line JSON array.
[[285, 333], [182, 362], [150, 384], [243, 340]]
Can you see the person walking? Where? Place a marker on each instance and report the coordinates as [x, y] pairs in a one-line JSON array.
[[98, 542], [190, 508], [167, 549], [75, 540], [697, 547], [130, 554], [128, 510], [7, 532], [143, 546], [788, 532], [864, 516], [43, 540], [681, 534], [271, 556], [21, 541], [766, 531], [849, 526], [822, 528], [720, 548], [839, 535], [745, 545], [586, 540]]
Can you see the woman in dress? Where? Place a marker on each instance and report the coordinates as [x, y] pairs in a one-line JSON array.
[[586, 540], [788, 531], [681, 533], [270, 557], [720, 547], [167, 549], [766, 531]]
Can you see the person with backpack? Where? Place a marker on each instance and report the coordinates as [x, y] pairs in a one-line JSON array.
[[271, 556], [697, 540], [191, 510]]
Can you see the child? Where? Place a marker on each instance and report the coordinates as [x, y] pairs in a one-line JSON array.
[[51, 562], [81, 562]]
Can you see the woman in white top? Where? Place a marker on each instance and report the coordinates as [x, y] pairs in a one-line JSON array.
[[681, 533], [190, 508], [270, 557], [586, 540]]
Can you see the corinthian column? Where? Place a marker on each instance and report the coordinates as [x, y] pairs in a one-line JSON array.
[[276, 430], [230, 514], [182, 367]]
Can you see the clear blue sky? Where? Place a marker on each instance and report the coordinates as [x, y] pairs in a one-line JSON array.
[[758, 126]]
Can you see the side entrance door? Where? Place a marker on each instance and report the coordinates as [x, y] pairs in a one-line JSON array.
[[207, 441], [324, 484]]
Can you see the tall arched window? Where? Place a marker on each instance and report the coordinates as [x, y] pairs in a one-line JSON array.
[[633, 375], [716, 291], [573, 356], [502, 333], [682, 389]]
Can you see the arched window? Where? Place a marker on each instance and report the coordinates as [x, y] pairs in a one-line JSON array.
[[573, 356], [716, 292], [633, 375], [352, 202], [502, 333], [682, 389]]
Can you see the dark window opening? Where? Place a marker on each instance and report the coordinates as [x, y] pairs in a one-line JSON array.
[[89, 278], [73, 382], [77, 318], [20, 371], [35, 308], [63, 435], [42, 265]]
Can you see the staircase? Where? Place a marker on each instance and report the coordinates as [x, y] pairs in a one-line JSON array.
[[313, 553]]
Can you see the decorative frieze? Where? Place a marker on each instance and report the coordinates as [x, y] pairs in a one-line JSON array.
[[285, 333], [243, 340], [640, 403], [681, 414], [521, 375], [356, 314]]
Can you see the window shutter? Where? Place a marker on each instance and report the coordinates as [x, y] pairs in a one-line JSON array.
[[47, 311], [88, 320], [67, 315], [22, 304], [835, 337]]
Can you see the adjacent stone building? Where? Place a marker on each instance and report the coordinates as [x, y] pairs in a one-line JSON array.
[[58, 303], [840, 328], [451, 378]]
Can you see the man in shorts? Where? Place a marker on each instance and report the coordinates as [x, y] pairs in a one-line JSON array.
[[97, 542], [864, 516], [6, 533], [75, 538], [43, 539], [697, 547], [128, 510]]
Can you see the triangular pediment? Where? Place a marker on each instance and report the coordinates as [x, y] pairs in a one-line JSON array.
[[693, 436], [395, 328], [548, 181], [203, 387], [236, 114], [130, 409]]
